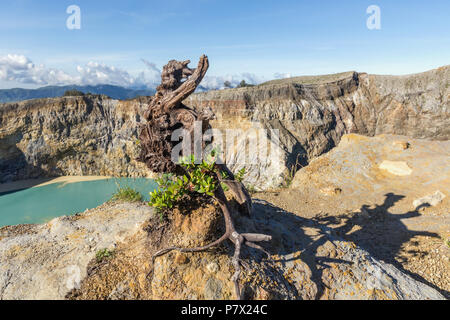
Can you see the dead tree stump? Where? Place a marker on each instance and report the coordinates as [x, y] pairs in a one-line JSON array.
[[165, 114]]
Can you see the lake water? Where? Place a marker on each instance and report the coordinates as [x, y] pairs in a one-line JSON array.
[[41, 204]]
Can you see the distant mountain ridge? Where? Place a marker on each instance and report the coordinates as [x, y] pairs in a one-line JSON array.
[[115, 92]]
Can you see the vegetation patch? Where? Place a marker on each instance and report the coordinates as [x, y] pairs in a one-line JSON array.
[[127, 194], [103, 254], [73, 93], [199, 181]]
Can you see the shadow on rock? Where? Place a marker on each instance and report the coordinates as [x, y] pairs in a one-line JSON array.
[[312, 260], [298, 242], [308, 261], [380, 232]]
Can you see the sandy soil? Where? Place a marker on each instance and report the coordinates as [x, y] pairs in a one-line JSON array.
[[33, 183]]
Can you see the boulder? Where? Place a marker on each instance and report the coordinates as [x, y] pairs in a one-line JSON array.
[[431, 199], [398, 168]]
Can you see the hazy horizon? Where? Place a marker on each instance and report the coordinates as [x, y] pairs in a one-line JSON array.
[[293, 76]]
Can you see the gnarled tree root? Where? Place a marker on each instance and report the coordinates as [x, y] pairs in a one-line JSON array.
[[165, 114], [238, 239]]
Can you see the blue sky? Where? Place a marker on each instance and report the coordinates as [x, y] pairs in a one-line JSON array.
[[252, 39]]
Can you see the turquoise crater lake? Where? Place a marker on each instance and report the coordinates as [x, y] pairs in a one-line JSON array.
[[43, 203]]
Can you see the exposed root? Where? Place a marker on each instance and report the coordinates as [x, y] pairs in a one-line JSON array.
[[238, 239]]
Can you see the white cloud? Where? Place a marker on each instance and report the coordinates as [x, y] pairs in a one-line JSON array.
[[97, 73], [151, 66], [217, 82], [153, 75], [18, 62], [20, 69], [282, 75]]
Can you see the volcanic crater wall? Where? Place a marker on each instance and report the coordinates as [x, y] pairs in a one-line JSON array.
[[70, 136], [312, 117], [94, 135]]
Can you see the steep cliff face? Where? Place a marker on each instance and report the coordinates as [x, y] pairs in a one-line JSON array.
[[313, 113], [416, 105], [96, 135], [69, 136]]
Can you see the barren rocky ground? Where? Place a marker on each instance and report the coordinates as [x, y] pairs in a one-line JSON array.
[[416, 245], [368, 220], [308, 260], [347, 191]]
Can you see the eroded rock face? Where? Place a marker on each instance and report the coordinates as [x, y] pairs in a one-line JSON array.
[[312, 118], [70, 136], [97, 136], [367, 168], [308, 260]]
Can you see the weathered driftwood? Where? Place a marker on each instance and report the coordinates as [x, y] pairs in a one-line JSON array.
[[165, 114]]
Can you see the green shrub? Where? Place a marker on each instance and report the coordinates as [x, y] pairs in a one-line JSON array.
[[227, 84], [240, 175], [103, 254], [251, 189], [73, 93], [244, 84], [127, 194], [200, 179]]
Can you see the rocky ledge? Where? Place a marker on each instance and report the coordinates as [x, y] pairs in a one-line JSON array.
[[308, 260], [46, 261], [389, 194]]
